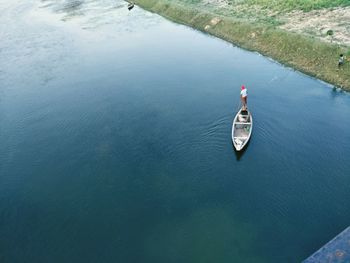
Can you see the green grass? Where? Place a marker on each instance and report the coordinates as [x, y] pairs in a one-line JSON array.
[[305, 5], [282, 5], [304, 53]]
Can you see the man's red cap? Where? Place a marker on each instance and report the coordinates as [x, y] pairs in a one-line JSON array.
[[242, 87]]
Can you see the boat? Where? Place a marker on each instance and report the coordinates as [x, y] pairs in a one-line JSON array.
[[242, 129], [130, 6]]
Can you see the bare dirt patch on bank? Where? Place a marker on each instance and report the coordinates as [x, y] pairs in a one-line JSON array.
[[315, 23], [318, 22]]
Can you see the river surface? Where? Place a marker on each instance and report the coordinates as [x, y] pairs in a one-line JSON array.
[[115, 143]]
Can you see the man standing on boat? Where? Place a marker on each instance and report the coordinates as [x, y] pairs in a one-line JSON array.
[[244, 97]]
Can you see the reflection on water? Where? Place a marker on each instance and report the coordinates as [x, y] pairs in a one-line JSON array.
[[92, 14], [115, 143]]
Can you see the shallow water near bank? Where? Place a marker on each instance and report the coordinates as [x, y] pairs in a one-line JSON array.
[[115, 143]]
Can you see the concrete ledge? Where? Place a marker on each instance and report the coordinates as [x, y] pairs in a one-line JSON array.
[[335, 251]]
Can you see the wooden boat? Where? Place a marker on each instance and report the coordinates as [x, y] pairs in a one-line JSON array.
[[242, 129], [130, 6]]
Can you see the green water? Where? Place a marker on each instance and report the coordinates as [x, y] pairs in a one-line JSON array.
[[115, 143]]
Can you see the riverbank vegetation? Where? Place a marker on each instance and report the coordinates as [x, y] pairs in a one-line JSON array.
[[305, 5], [273, 29]]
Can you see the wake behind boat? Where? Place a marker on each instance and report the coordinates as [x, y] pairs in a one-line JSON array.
[[242, 129]]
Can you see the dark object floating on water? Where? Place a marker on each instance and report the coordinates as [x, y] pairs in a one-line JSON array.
[[130, 6]]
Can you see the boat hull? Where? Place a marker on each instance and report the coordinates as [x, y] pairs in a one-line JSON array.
[[242, 127]]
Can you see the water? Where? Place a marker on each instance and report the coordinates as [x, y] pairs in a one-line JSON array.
[[115, 143]]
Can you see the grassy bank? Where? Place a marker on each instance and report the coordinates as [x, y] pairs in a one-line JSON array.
[[305, 5], [304, 53]]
